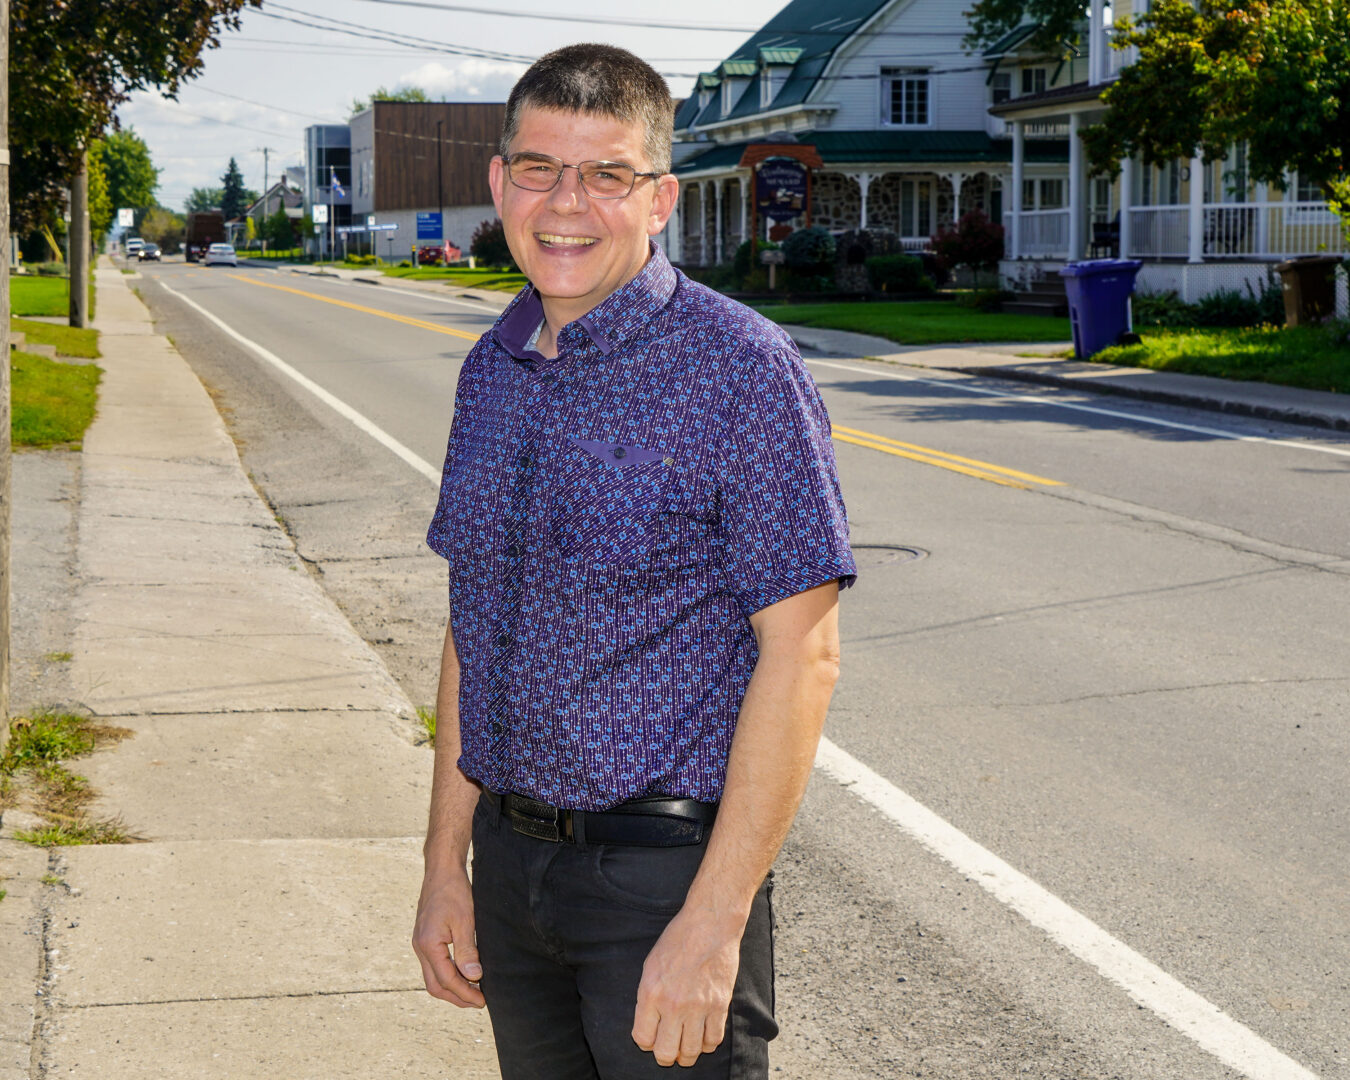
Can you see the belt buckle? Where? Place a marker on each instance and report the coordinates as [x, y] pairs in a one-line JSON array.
[[556, 829]]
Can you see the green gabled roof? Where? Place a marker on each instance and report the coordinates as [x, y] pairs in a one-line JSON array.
[[780, 56], [811, 28], [1008, 42], [708, 80], [686, 112], [743, 68], [894, 147]]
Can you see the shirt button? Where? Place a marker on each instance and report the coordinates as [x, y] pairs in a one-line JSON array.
[[524, 461], [513, 551], [620, 452], [497, 727], [503, 641]]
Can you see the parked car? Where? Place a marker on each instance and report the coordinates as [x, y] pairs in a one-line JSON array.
[[221, 255], [149, 253]]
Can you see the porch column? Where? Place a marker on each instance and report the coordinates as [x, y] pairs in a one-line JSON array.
[[1077, 190], [1097, 65], [717, 223], [864, 182], [703, 245], [1126, 195], [1262, 219], [957, 181], [1015, 202], [1196, 224], [745, 208], [675, 231]]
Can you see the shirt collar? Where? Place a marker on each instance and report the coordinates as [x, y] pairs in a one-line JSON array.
[[616, 318]]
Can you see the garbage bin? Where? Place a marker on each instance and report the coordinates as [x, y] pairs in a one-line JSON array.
[[1309, 284], [1099, 302]]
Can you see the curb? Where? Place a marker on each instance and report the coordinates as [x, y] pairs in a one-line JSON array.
[[1286, 415]]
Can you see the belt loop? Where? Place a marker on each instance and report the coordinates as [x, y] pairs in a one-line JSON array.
[[579, 828]]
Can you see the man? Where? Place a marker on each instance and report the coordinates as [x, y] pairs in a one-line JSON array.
[[646, 543]]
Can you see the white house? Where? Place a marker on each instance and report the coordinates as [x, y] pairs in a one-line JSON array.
[[906, 130]]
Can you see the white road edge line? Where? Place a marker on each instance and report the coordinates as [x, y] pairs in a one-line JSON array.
[[1035, 399], [335, 403], [1146, 983]]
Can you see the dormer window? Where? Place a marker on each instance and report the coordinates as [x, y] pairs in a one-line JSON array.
[[1033, 80], [775, 65]]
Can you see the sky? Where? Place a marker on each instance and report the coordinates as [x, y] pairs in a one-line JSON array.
[[274, 77]]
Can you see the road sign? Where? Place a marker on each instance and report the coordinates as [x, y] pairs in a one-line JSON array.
[[430, 226], [126, 217], [343, 230], [320, 213], [370, 220], [391, 227]]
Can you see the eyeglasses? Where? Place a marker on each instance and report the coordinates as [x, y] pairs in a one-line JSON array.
[[600, 179]]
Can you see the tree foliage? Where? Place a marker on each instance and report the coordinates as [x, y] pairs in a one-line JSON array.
[[163, 227], [203, 199], [100, 204], [277, 230], [233, 198], [1060, 21], [382, 93], [975, 241], [132, 176], [72, 62]]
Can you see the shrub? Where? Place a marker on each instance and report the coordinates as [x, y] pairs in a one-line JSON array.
[[987, 300], [898, 274], [362, 260], [976, 242], [1224, 308], [1161, 309], [809, 251], [489, 247], [741, 261]]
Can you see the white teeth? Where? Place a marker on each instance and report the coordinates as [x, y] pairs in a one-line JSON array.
[[572, 241]]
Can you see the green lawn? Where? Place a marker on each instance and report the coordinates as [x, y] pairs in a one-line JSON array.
[[1312, 357], [500, 280], [32, 295], [921, 323], [69, 340], [52, 403]]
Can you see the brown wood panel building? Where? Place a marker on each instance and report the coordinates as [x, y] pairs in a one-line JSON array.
[[406, 138]]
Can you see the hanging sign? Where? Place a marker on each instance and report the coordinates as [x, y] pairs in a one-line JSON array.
[[780, 189]]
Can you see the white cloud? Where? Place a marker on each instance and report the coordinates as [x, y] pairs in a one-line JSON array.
[[467, 80]]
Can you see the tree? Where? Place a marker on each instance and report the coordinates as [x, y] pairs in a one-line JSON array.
[[1274, 74], [250, 231], [73, 62], [975, 242], [132, 176], [489, 247], [203, 199], [100, 204], [406, 93], [233, 198], [163, 227], [1060, 21], [278, 231]]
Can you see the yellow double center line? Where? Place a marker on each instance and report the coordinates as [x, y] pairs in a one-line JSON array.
[[981, 470], [408, 320]]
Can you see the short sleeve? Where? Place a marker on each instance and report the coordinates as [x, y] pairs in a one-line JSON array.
[[781, 513]]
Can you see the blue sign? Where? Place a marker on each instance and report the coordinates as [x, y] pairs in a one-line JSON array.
[[780, 189], [430, 226]]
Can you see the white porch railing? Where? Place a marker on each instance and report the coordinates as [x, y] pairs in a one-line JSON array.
[[914, 243], [1044, 233], [1237, 230]]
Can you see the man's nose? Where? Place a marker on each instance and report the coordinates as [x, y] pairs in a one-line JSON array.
[[568, 196]]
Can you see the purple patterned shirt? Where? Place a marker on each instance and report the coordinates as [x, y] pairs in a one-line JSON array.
[[611, 518]]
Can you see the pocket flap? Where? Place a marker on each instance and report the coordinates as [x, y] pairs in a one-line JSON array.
[[620, 454]]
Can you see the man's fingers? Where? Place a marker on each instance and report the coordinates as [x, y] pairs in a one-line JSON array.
[[667, 1048], [437, 989], [691, 1043], [714, 1031], [645, 1022], [466, 960]]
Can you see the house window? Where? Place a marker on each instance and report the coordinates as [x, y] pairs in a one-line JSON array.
[[1101, 195], [1001, 87], [1052, 194], [726, 97], [916, 208], [1308, 191], [1028, 194], [1033, 80], [905, 97]]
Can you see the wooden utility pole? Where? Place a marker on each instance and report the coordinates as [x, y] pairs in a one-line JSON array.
[[4, 376], [79, 243]]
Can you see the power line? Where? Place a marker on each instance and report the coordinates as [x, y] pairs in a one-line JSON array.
[[265, 105], [341, 26]]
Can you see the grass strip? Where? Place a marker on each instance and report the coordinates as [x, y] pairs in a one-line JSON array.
[[1309, 357], [921, 322], [52, 403], [33, 773], [33, 294], [69, 340], [499, 280]]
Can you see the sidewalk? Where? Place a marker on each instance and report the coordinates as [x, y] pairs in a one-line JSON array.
[[262, 930], [1284, 403]]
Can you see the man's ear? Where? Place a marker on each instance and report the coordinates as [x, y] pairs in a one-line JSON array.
[[497, 181], [663, 204]]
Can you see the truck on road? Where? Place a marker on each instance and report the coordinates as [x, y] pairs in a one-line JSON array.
[[204, 228]]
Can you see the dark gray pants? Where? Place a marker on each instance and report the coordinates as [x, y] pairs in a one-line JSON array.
[[563, 930]]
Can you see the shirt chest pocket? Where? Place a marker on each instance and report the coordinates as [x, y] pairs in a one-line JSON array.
[[618, 504]]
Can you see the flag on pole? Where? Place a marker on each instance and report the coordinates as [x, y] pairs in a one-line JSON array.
[[338, 189]]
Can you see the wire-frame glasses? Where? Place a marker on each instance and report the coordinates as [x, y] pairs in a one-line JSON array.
[[600, 179]]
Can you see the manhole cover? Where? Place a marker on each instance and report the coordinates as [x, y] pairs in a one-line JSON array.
[[885, 554]]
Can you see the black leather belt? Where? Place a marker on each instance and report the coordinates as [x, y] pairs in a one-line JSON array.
[[651, 821]]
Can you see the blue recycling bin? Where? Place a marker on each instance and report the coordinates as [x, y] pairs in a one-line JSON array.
[[1099, 302]]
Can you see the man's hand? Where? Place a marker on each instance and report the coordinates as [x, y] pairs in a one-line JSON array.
[[444, 921], [685, 990]]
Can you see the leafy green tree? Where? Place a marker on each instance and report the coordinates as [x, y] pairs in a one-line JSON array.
[[72, 62], [233, 197], [132, 176], [406, 93], [278, 231], [163, 227], [203, 199], [100, 204], [1060, 21], [250, 231]]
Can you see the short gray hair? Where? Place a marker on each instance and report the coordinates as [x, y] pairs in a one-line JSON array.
[[600, 79]]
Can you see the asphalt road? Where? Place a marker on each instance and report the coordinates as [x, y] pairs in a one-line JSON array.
[[1118, 662]]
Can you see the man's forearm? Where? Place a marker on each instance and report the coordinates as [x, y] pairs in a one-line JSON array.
[[453, 795]]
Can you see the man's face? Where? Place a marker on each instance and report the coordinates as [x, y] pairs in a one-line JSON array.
[[576, 249]]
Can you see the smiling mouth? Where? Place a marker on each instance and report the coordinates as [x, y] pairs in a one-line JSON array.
[[556, 240]]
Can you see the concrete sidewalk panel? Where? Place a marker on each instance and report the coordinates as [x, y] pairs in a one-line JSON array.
[[269, 775], [257, 641], [192, 920], [21, 871], [381, 1036]]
